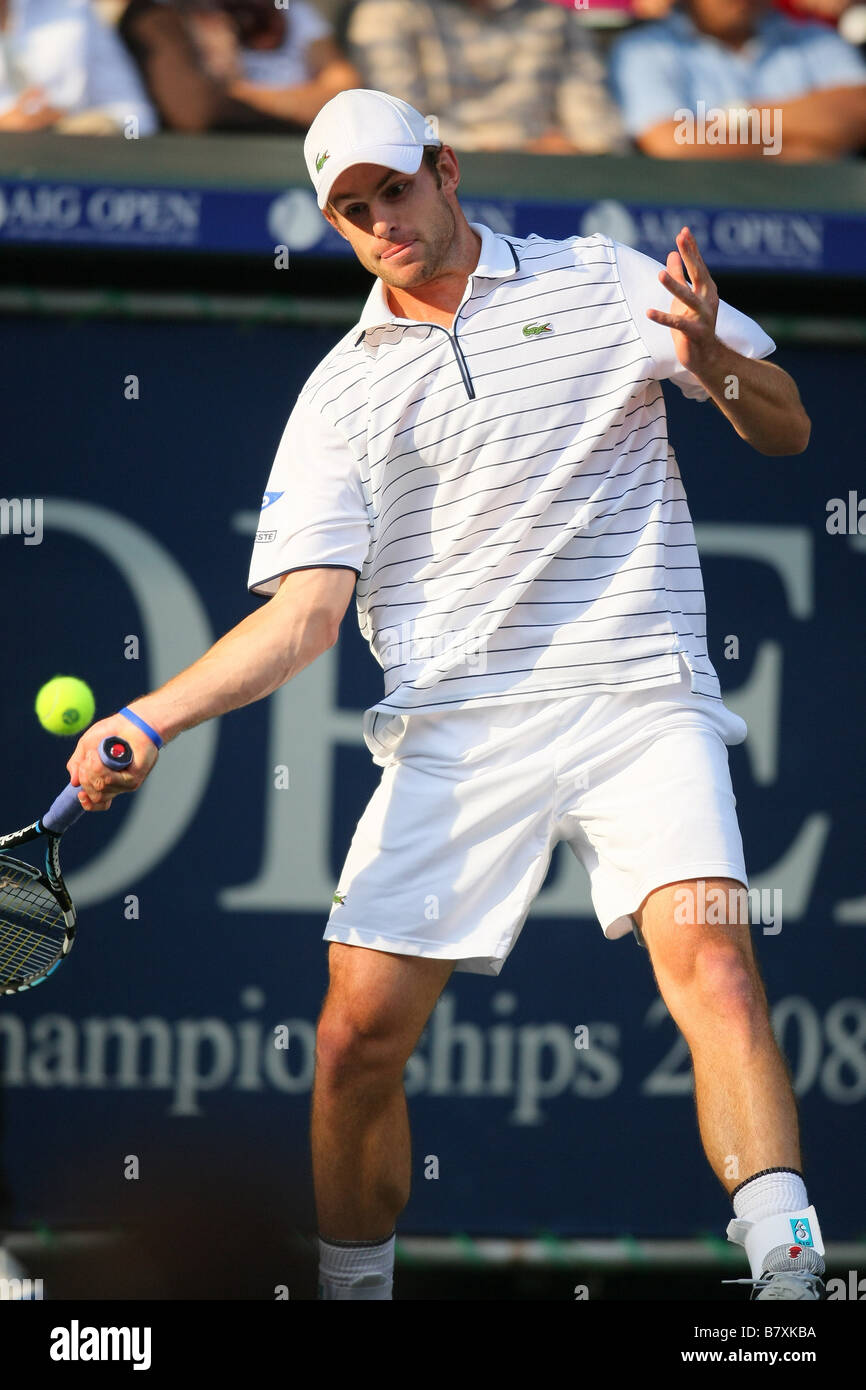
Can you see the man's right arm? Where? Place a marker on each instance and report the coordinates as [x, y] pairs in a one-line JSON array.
[[261, 653], [824, 124]]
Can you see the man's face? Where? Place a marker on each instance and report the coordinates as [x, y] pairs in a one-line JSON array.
[[400, 226], [720, 17]]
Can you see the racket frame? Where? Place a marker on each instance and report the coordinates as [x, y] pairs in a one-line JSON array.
[[65, 810]]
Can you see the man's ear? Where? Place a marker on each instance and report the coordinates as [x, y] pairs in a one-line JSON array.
[[329, 217], [454, 169]]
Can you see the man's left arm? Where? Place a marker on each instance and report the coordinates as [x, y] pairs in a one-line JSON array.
[[760, 399]]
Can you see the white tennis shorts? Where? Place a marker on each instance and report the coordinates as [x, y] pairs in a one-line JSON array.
[[456, 840]]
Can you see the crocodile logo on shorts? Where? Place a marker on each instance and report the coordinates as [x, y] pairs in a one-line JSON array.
[[532, 330], [320, 160], [339, 898]]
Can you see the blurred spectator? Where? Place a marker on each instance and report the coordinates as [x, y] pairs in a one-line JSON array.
[[184, 90], [715, 57], [828, 11], [61, 68], [235, 67], [629, 9], [282, 61], [497, 74], [650, 9]]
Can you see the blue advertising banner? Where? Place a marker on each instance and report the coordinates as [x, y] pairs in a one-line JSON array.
[[256, 222], [127, 524]]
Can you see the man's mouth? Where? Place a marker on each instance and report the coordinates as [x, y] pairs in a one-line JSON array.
[[394, 251]]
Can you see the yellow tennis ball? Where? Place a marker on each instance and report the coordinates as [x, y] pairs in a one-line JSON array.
[[65, 705]]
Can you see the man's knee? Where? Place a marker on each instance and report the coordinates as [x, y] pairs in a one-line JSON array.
[[718, 980], [725, 976], [375, 1009], [350, 1047]]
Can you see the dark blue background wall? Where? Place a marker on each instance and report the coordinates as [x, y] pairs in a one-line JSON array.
[[569, 1141]]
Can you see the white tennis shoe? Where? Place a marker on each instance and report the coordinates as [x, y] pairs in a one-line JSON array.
[[793, 1285], [788, 1277]]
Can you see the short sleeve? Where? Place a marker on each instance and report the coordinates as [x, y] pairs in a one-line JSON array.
[[638, 276], [313, 512], [307, 24], [832, 62], [649, 80]]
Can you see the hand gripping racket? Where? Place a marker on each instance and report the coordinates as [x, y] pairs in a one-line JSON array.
[[37, 918]]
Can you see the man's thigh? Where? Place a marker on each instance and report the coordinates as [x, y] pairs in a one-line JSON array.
[[377, 994], [677, 921]]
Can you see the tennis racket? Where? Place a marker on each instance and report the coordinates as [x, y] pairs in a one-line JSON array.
[[37, 918]]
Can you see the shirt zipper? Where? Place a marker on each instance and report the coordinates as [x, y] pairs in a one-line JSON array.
[[461, 360], [458, 351], [452, 338]]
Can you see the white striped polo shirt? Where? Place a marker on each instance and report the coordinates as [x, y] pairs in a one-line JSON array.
[[504, 489]]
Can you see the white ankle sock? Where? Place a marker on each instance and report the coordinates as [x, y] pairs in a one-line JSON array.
[[770, 1194], [354, 1269], [775, 1223]]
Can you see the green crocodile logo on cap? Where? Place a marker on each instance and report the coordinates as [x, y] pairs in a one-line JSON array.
[[320, 160], [530, 330]]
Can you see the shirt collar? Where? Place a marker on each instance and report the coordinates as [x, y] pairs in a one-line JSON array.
[[496, 260]]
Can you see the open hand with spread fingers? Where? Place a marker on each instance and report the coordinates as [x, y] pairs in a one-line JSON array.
[[693, 321]]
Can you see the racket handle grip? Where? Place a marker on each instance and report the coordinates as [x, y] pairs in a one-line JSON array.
[[66, 808]]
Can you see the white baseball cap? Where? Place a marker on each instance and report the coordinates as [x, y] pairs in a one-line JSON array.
[[362, 126]]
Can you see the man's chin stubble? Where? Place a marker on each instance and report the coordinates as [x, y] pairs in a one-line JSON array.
[[420, 275]]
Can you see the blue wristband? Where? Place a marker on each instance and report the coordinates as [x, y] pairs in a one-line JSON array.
[[145, 728]]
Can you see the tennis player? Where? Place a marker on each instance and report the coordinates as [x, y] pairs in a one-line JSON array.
[[483, 461]]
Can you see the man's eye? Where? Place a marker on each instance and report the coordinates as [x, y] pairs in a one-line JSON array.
[[354, 210], [396, 188]]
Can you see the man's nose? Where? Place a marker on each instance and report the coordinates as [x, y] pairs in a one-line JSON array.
[[383, 224]]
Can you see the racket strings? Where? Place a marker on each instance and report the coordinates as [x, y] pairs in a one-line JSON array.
[[32, 927], [25, 952]]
